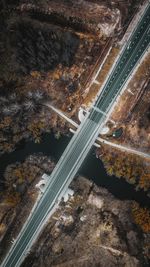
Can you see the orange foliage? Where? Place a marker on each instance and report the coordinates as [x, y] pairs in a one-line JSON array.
[[35, 129], [12, 198], [5, 122], [19, 174], [35, 74], [128, 166], [22, 174], [94, 89], [2, 228], [7, 147], [141, 217], [144, 181]]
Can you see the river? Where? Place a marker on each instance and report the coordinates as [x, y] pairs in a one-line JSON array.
[[92, 167]]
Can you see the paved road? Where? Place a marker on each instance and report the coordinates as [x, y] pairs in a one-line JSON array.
[[122, 147], [80, 144], [125, 148], [124, 66]]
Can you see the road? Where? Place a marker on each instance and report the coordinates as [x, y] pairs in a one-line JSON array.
[[102, 140], [125, 148], [81, 143]]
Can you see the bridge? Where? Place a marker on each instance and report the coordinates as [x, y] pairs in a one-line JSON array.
[[82, 141]]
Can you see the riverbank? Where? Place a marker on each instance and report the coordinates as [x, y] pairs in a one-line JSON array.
[[92, 168]]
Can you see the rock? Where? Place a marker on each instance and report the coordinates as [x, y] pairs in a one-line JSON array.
[[95, 201], [133, 242], [57, 248]]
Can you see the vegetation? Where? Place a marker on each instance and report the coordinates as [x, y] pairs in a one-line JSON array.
[[41, 47], [19, 176], [127, 166], [21, 117], [12, 198], [141, 217], [94, 88]]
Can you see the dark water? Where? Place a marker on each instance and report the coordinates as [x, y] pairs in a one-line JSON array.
[[49, 146], [92, 167]]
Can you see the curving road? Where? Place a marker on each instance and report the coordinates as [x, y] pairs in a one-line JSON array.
[[82, 141]]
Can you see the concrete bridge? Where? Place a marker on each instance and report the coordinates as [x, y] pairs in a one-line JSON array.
[[82, 141]]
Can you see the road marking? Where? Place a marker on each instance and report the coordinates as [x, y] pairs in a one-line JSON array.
[[99, 111], [129, 90], [95, 81]]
